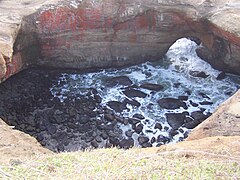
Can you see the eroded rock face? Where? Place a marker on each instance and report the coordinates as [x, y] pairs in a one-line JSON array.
[[225, 121], [97, 34]]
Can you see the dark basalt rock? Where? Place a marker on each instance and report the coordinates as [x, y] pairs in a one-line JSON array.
[[221, 76], [193, 103], [94, 144], [117, 106], [204, 95], [199, 116], [171, 103], [206, 103], [131, 93], [138, 128], [192, 124], [126, 143], [146, 145], [158, 126], [173, 132], [138, 116], [109, 117], [133, 121], [175, 120], [183, 98], [153, 140], [142, 140], [129, 133], [132, 102], [120, 80], [153, 87], [163, 139], [51, 129], [198, 74], [114, 141]]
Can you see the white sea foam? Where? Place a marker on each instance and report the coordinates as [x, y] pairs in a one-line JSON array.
[[172, 73]]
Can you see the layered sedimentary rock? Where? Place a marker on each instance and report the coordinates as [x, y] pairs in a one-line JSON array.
[[98, 34], [225, 121]]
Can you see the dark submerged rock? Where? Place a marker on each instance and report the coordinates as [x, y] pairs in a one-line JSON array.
[[131, 93], [183, 98], [175, 120], [192, 124], [221, 76], [138, 128], [132, 102], [117, 106], [171, 103], [153, 87], [199, 116], [126, 143], [204, 95], [129, 133], [158, 126], [133, 121], [206, 103], [138, 116], [163, 139], [198, 74], [120, 80], [143, 139], [193, 103]]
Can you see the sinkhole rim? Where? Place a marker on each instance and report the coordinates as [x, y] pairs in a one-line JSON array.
[[44, 147]]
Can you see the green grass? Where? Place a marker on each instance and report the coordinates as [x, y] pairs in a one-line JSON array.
[[121, 164]]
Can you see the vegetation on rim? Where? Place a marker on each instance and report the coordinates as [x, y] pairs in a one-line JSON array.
[[125, 164]]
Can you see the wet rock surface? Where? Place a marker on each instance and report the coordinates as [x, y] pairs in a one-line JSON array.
[[171, 103], [81, 121]]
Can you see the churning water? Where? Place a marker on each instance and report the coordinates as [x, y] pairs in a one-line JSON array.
[[180, 77]]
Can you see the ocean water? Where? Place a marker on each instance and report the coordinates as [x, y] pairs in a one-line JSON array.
[[172, 72]]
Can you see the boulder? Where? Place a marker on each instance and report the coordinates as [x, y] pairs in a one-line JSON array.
[[132, 102], [132, 93], [120, 80], [198, 74], [143, 139], [153, 87], [175, 120], [199, 116], [138, 116], [117, 106], [126, 143], [171, 103]]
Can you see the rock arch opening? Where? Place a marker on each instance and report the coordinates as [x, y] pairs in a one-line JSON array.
[[144, 105]]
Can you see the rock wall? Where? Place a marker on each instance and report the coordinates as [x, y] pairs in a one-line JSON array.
[[225, 121], [99, 34]]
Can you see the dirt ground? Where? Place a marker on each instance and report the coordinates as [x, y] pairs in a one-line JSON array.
[[16, 146]]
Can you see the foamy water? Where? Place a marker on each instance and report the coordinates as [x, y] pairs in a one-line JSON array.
[[172, 72]]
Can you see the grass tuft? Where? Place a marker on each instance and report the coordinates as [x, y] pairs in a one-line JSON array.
[[123, 164]]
